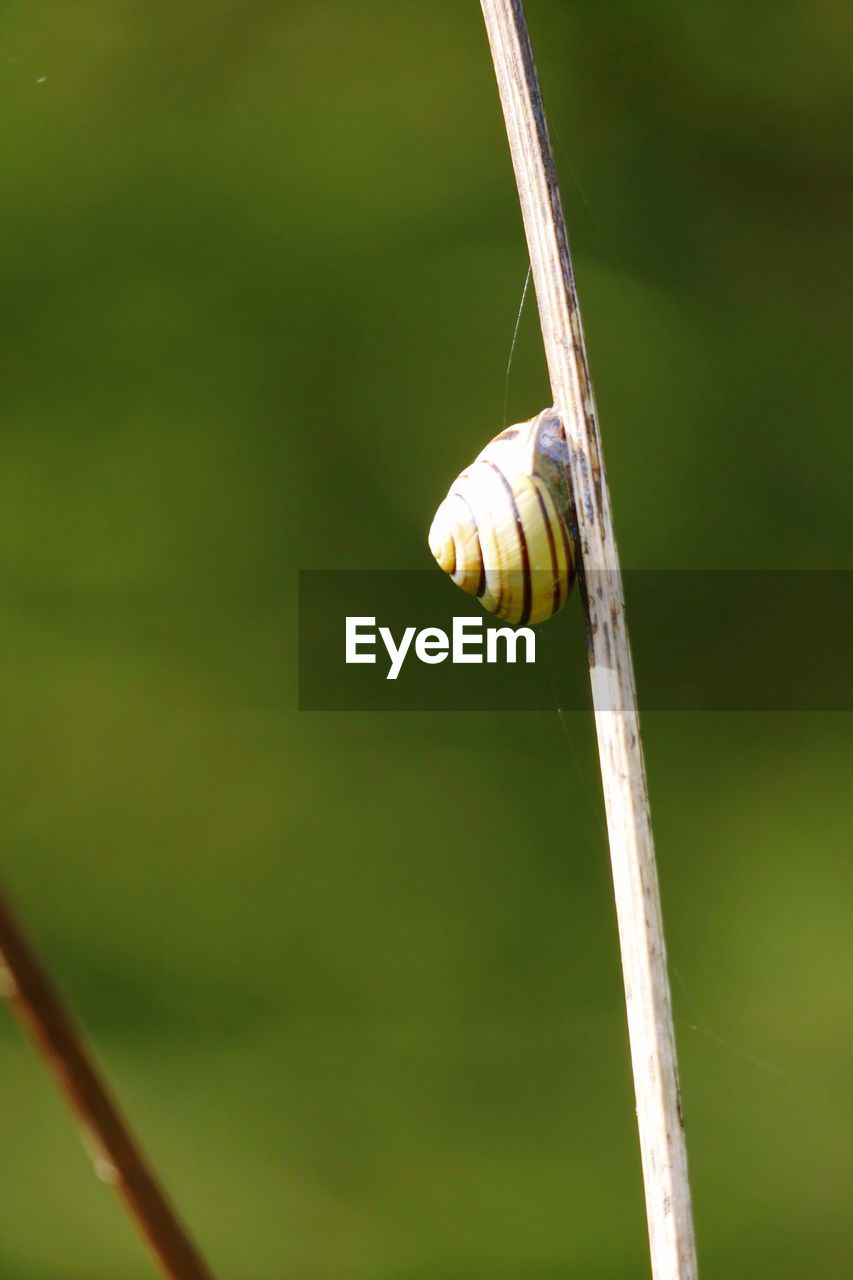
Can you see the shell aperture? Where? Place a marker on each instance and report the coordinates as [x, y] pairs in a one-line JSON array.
[[503, 532]]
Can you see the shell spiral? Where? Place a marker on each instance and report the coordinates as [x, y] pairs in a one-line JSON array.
[[503, 531]]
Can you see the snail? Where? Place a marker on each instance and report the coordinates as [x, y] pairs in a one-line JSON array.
[[503, 531]]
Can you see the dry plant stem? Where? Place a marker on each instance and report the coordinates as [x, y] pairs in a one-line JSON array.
[[117, 1157], [664, 1156]]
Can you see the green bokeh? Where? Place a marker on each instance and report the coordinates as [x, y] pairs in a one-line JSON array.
[[355, 978]]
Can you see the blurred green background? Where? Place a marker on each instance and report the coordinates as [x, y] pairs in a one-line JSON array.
[[355, 978]]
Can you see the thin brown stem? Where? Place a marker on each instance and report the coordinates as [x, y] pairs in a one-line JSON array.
[[632, 853], [117, 1157]]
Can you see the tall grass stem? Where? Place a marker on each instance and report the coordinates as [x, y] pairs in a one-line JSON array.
[[635, 878]]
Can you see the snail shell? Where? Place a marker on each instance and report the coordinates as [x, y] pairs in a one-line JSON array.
[[503, 531]]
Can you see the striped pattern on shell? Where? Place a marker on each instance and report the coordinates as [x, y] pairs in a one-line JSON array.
[[502, 532]]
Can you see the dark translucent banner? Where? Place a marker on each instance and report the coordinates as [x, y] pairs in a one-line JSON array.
[[702, 640]]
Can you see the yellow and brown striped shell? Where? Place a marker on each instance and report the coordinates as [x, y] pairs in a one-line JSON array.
[[502, 532]]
